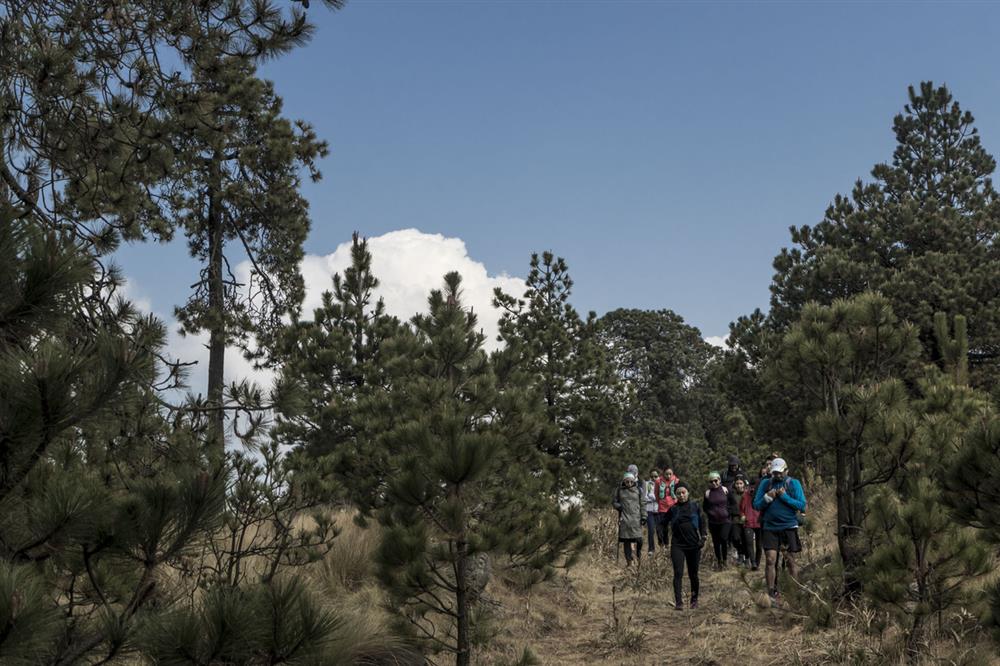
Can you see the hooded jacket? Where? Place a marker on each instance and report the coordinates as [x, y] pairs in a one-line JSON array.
[[628, 501], [729, 477]]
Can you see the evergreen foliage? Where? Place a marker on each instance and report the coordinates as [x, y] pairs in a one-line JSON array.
[[465, 482], [923, 233], [570, 368], [923, 560], [674, 414], [330, 366], [848, 357]]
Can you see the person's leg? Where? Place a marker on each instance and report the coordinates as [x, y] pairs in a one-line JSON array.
[[792, 554], [748, 546], [651, 529], [758, 547], [627, 547], [693, 557], [770, 573], [724, 533], [662, 529], [638, 549], [716, 531], [677, 559]]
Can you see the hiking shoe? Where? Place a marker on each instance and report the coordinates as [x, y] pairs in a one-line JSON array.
[[694, 603], [679, 606]]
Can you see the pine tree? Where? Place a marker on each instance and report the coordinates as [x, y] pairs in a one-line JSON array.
[[569, 367], [90, 513], [462, 485], [144, 119], [923, 233], [923, 560], [238, 164], [849, 357], [330, 361]]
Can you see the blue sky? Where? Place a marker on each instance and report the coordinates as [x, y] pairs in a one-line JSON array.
[[663, 148]]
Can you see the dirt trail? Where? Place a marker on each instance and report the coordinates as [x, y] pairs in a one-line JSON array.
[[602, 613]]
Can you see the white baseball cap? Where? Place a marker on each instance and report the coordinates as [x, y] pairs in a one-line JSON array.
[[779, 465]]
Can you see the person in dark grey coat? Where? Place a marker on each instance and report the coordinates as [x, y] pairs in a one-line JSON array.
[[628, 501]]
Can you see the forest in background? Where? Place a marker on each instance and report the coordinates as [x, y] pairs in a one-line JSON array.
[[142, 524]]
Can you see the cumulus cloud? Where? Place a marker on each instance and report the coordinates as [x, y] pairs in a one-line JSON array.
[[408, 264], [717, 341]]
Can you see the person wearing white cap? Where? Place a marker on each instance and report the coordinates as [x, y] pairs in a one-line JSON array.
[[779, 498]]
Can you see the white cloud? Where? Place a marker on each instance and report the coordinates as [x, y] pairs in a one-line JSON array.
[[408, 264], [717, 341]]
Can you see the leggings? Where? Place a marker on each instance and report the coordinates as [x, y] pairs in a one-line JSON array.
[[720, 540], [758, 544], [678, 556]]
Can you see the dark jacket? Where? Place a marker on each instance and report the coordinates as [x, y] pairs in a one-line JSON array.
[[720, 505], [730, 475], [687, 525]]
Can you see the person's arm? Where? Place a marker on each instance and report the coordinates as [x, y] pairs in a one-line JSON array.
[[702, 523], [794, 496], [616, 501], [760, 500]]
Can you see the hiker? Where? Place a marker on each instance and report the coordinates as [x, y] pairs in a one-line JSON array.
[[666, 494], [748, 521], [719, 507], [628, 501], [779, 498], [733, 471], [652, 510], [687, 529]]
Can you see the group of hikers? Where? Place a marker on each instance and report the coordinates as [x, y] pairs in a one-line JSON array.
[[747, 515]]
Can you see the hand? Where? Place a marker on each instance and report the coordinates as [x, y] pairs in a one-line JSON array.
[[779, 491]]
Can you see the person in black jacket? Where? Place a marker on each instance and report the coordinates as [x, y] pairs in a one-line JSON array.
[[688, 530]]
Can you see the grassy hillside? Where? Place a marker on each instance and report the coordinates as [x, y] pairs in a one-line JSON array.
[[602, 613]]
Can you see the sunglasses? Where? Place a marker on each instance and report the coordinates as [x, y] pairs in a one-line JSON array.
[[716, 481]]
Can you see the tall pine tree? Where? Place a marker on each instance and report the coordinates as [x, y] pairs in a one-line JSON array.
[[571, 369], [464, 482], [924, 233]]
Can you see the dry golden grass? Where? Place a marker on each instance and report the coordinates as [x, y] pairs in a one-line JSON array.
[[572, 620]]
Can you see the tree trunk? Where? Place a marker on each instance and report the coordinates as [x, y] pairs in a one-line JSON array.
[[216, 318], [463, 656]]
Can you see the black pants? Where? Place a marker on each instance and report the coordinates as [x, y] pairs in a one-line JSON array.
[[720, 540], [627, 545], [736, 538], [678, 556], [758, 541], [662, 530]]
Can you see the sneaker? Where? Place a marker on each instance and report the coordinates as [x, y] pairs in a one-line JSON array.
[[773, 595], [694, 603]]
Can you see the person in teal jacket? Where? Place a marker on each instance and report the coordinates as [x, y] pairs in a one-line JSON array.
[[780, 499]]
